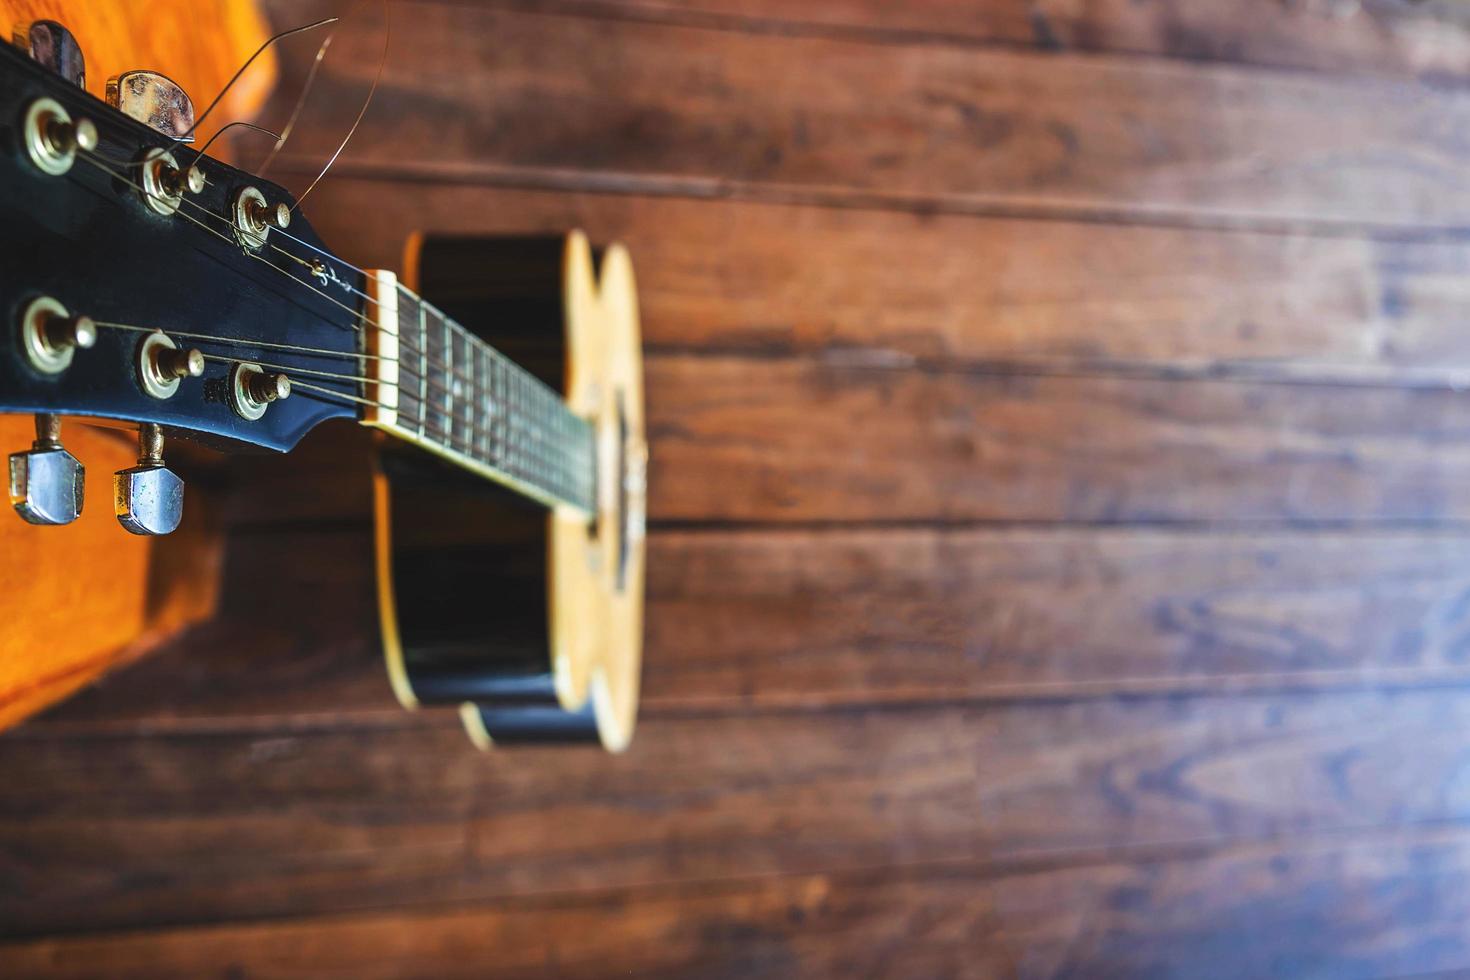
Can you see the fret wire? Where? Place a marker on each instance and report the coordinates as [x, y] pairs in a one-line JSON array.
[[424, 376], [447, 395], [472, 400], [495, 411], [502, 435], [482, 403]]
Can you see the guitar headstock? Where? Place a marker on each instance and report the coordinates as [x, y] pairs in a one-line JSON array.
[[147, 283]]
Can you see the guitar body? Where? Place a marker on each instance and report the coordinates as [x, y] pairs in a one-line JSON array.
[[80, 599], [524, 616]]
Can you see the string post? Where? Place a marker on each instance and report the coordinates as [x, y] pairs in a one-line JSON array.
[[252, 390]]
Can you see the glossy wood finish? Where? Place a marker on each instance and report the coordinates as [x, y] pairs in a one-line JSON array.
[[467, 602], [1028, 596], [197, 43], [82, 599]]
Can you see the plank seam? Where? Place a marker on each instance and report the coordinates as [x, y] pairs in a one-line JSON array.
[[1018, 865], [570, 180], [855, 33]]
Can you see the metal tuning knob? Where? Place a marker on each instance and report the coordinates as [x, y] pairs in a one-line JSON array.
[[53, 46], [46, 481], [155, 100], [149, 497]]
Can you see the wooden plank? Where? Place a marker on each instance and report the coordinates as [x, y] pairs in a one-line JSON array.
[[841, 438], [1327, 35], [741, 620], [111, 832], [1380, 906], [864, 616], [831, 439], [1052, 295], [580, 102]]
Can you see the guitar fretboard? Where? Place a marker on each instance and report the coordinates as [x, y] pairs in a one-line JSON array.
[[446, 389]]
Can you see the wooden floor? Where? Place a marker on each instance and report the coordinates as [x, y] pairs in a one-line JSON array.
[[1060, 533]]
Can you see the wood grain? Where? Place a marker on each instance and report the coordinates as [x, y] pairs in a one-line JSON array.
[[198, 44], [1057, 557], [81, 599], [110, 832], [741, 621], [843, 437], [1053, 295], [585, 104], [1320, 907], [876, 443], [88, 597], [1392, 36]]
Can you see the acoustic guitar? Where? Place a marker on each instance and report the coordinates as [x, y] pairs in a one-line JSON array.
[[149, 284]]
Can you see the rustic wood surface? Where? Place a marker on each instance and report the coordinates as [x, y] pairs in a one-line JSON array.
[[1059, 545], [81, 599]]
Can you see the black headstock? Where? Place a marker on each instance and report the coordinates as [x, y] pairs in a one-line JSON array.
[[91, 240]]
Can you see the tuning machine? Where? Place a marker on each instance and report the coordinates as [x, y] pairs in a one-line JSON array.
[[251, 390], [46, 481], [155, 100], [254, 217], [53, 138], [162, 365], [51, 336], [54, 47], [148, 498]]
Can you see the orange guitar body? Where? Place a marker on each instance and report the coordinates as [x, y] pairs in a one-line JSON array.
[[79, 599]]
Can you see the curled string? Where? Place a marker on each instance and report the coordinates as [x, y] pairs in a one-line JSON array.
[[377, 77], [248, 62], [519, 387], [286, 131], [220, 132]]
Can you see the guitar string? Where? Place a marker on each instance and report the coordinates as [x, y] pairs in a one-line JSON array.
[[475, 342], [478, 432], [199, 153], [244, 342], [248, 62], [548, 397], [526, 386], [284, 368], [513, 446], [100, 160], [377, 77], [356, 314], [155, 152], [472, 422], [438, 389], [290, 126]]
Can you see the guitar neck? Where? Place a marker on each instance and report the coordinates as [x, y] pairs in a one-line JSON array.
[[435, 384]]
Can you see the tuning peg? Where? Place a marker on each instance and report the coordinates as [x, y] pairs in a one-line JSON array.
[[51, 336], [149, 497], [252, 390], [53, 46], [46, 481], [154, 100], [255, 217], [162, 365]]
